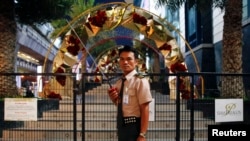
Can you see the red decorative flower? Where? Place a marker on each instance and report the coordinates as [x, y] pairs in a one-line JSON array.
[[143, 67], [178, 67], [96, 79], [73, 45], [60, 79], [139, 19], [99, 19], [97, 70], [59, 70], [103, 65], [107, 62], [73, 50], [113, 53], [184, 88], [185, 94], [165, 47], [110, 68], [54, 95]]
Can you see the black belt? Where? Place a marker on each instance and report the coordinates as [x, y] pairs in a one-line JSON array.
[[131, 120]]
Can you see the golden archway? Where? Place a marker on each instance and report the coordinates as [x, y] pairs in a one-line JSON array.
[[107, 17]]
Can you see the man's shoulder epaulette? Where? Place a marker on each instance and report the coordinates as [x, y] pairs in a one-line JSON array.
[[139, 75]]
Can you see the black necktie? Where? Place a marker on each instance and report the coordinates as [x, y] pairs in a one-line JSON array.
[[120, 114]]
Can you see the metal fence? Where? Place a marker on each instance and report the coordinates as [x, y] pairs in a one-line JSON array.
[[85, 112]]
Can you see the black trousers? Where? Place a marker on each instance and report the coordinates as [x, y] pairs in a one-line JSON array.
[[129, 132]]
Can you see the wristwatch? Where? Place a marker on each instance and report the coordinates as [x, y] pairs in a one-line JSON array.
[[143, 135]]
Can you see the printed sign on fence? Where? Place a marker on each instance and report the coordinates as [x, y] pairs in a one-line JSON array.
[[20, 109], [228, 110]]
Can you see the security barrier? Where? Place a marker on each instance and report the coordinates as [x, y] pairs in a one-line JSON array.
[[69, 108]]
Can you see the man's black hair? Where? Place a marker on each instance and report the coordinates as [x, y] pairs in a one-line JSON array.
[[127, 48]]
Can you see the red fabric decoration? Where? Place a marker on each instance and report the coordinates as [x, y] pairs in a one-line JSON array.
[[73, 45], [99, 19], [165, 47], [139, 19], [178, 67], [96, 79], [54, 96], [60, 79]]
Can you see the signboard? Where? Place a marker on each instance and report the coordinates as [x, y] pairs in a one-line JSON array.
[[228, 110], [20, 109]]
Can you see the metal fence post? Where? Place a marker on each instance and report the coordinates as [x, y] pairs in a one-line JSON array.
[[177, 107]]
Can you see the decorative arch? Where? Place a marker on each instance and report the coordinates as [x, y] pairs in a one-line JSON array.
[[101, 19], [105, 52]]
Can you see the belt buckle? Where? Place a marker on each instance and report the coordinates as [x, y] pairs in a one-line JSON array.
[[128, 120]]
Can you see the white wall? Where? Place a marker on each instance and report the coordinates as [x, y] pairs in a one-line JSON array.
[[182, 28], [217, 25], [150, 5]]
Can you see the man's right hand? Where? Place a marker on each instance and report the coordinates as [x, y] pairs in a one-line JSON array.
[[113, 94]]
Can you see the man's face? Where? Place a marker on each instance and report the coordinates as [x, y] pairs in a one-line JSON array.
[[127, 62]]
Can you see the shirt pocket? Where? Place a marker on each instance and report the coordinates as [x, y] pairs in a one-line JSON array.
[[132, 96], [131, 92]]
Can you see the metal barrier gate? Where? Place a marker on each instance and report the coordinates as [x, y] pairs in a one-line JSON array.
[[86, 113]]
